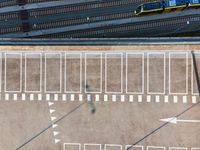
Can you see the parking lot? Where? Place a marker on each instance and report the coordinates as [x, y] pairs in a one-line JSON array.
[[99, 100]]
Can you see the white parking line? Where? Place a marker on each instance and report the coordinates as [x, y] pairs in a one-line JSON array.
[[96, 56], [178, 148], [117, 147], [156, 55], [186, 71], [98, 146], [33, 56], [71, 56], [134, 147], [140, 56], [53, 55], [74, 146], [20, 68], [113, 55], [197, 54], [155, 148]]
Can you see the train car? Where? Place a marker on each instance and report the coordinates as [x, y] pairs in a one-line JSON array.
[[161, 6]]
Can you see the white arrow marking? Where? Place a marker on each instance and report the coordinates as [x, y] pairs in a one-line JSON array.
[[175, 120], [51, 111], [54, 125], [56, 141], [55, 133], [53, 118], [51, 103]]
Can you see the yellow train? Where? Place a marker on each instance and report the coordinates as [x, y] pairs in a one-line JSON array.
[[161, 6]]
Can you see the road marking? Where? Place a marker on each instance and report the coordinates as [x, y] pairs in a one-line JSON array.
[[155, 148], [55, 133], [97, 97], [70, 56], [86, 146], [74, 146], [39, 97], [31, 97], [117, 147], [72, 97], [130, 98], [113, 56], [20, 72], [50, 103], [194, 99], [134, 147], [89, 98], [48, 97], [23, 97], [14, 97], [6, 97], [114, 98], [88, 56], [175, 120], [175, 99], [33, 56], [148, 98], [134, 55], [148, 71], [52, 111], [166, 99], [139, 98], [64, 97], [184, 99], [122, 98], [157, 99], [105, 98], [54, 125], [54, 56], [55, 97], [178, 148], [80, 97], [186, 71]]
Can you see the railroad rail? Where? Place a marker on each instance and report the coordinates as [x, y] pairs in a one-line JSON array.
[[32, 14]]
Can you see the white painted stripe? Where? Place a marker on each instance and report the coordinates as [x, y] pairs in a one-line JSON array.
[[6, 97], [114, 98], [64, 97], [194, 99], [166, 99], [55, 97], [184, 99], [23, 97], [48, 97], [72, 97], [157, 98], [130, 98], [14, 97], [97, 97], [148, 98], [175, 98], [39, 97], [80, 97], [139, 98], [89, 97], [122, 98], [105, 98], [31, 97]]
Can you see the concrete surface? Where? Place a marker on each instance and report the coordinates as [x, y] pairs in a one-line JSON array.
[[65, 83]]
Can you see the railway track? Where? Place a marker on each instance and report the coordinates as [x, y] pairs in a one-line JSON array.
[[81, 8], [138, 28]]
